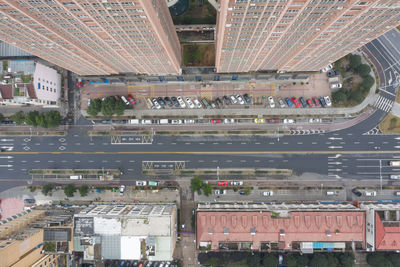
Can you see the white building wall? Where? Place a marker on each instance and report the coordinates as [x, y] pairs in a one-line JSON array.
[[47, 83]]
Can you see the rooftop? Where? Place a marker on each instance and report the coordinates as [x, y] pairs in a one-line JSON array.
[[387, 234]]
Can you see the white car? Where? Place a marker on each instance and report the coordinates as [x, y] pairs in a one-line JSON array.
[[267, 193], [220, 192], [237, 183], [188, 121], [233, 99], [281, 103], [176, 121], [240, 99], [336, 85], [197, 103], [229, 120], [156, 104], [327, 101], [88, 102], [122, 190], [145, 121], [271, 101], [312, 120], [141, 183], [189, 102], [370, 193], [180, 101], [290, 121], [327, 68]]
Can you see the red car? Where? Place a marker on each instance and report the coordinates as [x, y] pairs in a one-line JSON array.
[[222, 183], [316, 102], [274, 120], [309, 103], [131, 99], [216, 121], [295, 102]]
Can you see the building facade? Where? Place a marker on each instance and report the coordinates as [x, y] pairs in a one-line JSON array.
[[96, 37], [297, 35]]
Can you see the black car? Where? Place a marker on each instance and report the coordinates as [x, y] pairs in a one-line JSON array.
[[333, 73], [106, 121], [322, 101], [242, 192], [303, 102], [168, 101], [8, 122], [219, 102], [29, 201], [247, 98], [161, 101], [227, 100], [356, 192], [175, 101]]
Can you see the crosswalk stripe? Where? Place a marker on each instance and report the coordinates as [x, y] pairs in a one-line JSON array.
[[383, 103]]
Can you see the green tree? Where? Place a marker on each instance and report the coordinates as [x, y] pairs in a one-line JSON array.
[[46, 189], [302, 260], [119, 107], [318, 260], [94, 108], [69, 190], [356, 96], [367, 82], [378, 260], [394, 259], [347, 259], [207, 189], [291, 261], [332, 260], [355, 61], [253, 260], [53, 119], [339, 96], [1, 117], [83, 190], [18, 117], [363, 70], [41, 120], [30, 118], [270, 260], [247, 191], [214, 262], [196, 184], [107, 106]]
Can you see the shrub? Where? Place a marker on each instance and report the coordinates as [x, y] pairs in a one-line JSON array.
[[69, 190], [339, 96], [108, 106], [355, 61], [83, 190], [94, 108], [46, 190], [363, 70], [367, 82], [18, 117]]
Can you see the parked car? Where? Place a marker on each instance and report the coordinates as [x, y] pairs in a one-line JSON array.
[[197, 103], [222, 183], [309, 103], [356, 192], [106, 121], [295, 102], [303, 102], [176, 121], [281, 103], [247, 98], [168, 101], [336, 85], [156, 104], [146, 122], [181, 103], [131, 99], [227, 101], [328, 101], [161, 101], [267, 193], [141, 183], [213, 105], [125, 100], [215, 121], [370, 193], [271, 102], [233, 99], [121, 190], [219, 102], [188, 121], [242, 192], [259, 120], [175, 101], [274, 120], [220, 192], [229, 120], [237, 183], [189, 102], [240, 99], [288, 102], [327, 68], [288, 121], [316, 102], [322, 101], [333, 73], [88, 102]]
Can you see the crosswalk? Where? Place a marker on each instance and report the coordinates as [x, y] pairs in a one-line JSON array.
[[384, 104]]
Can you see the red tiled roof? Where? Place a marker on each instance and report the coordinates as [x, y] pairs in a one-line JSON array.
[[387, 238], [31, 91], [6, 91], [215, 227], [11, 206]]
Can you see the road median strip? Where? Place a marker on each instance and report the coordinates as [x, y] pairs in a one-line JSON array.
[[244, 171], [28, 133]]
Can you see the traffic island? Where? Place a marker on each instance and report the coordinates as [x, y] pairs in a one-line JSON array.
[[74, 174], [236, 172]]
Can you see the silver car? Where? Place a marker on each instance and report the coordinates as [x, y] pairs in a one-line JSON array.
[[281, 103], [240, 99], [180, 101], [189, 102]]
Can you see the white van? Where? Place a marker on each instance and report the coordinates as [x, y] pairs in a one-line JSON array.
[[75, 177], [395, 176], [331, 193], [125, 100], [164, 121], [145, 121], [134, 121], [370, 193], [397, 193], [268, 193]]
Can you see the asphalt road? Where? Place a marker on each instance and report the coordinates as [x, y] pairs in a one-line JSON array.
[[358, 152]]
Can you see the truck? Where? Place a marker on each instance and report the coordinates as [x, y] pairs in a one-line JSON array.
[[333, 79], [394, 163], [75, 177], [152, 183]]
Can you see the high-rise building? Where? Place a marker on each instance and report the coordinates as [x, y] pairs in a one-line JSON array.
[[94, 37], [297, 35]]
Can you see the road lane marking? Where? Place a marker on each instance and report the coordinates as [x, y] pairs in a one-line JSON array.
[[173, 143], [257, 143], [314, 143], [299, 143]]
